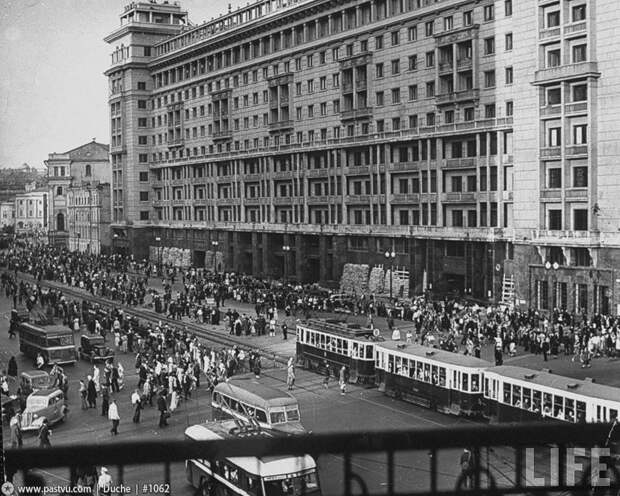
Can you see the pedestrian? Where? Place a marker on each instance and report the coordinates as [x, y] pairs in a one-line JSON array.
[[44, 435], [39, 362], [342, 380], [95, 376], [83, 393], [12, 367], [105, 401], [104, 483], [257, 366], [91, 393], [290, 374], [326, 378], [16, 431], [284, 331], [466, 467], [162, 406], [114, 416], [136, 401]]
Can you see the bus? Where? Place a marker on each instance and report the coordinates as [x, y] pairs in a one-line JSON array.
[[248, 400], [248, 475], [55, 343]]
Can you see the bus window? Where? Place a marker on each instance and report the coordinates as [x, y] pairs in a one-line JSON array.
[[465, 382], [442, 376], [277, 417], [475, 383], [527, 398], [558, 407], [516, 396], [581, 411], [536, 401], [435, 375], [427, 372], [368, 351], [261, 415], [507, 393], [292, 414], [569, 410]]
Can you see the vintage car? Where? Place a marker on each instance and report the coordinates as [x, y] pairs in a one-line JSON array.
[[33, 380], [93, 348], [44, 404]]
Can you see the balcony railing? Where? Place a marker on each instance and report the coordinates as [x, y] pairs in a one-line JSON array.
[[569, 71], [520, 455], [577, 150]]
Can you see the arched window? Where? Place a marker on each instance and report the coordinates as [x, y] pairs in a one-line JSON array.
[[87, 172]]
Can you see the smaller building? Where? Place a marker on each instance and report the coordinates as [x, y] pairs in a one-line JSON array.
[[89, 216], [31, 213], [7, 214]]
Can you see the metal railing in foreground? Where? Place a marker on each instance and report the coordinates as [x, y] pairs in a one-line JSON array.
[[516, 439]]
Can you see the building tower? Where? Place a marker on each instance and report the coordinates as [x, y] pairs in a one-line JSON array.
[[143, 24]]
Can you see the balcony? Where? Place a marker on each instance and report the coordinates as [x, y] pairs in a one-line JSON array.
[[248, 178], [446, 67], [361, 84], [549, 33], [551, 152], [575, 28], [314, 200], [228, 201], [566, 72], [549, 236], [576, 108], [404, 166], [576, 194], [225, 134], [464, 63], [458, 197], [459, 163], [317, 172], [252, 201], [550, 194], [405, 198], [362, 58], [458, 96], [360, 113], [280, 79], [576, 150], [357, 199], [357, 170], [280, 125], [225, 178], [347, 86], [457, 35], [550, 110], [283, 174]]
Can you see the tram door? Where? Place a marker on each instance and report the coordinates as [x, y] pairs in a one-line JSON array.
[[354, 350]]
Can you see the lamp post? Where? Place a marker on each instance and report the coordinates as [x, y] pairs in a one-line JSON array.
[[390, 255], [286, 249], [215, 244], [158, 240]]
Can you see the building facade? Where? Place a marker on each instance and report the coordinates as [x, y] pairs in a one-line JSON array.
[[86, 163], [7, 214], [89, 216], [31, 217], [309, 134]]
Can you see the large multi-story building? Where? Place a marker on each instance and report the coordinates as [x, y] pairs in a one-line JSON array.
[[474, 139], [31, 208], [88, 217], [7, 214], [81, 165]]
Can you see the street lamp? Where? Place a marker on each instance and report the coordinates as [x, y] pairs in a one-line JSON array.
[[215, 244], [390, 255], [286, 249], [158, 240]]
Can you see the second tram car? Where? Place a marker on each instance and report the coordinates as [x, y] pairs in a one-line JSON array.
[[333, 342], [433, 378]]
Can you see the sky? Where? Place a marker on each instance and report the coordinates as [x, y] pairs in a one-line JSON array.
[[53, 94]]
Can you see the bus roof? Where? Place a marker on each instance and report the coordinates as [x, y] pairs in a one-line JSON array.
[[267, 467], [435, 354], [558, 382], [51, 329], [338, 327], [251, 391]]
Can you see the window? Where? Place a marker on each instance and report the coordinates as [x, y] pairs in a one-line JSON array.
[[489, 79], [430, 89], [509, 75], [144, 196], [395, 67], [396, 95], [144, 215], [142, 104], [310, 111], [336, 80], [457, 184], [554, 136], [468, 114], [580, 53], [578, 13], [88, 169], [336, 104], [580, 177], [552, 19], [380, 126], [554, 178], [379, 99], [430, 59], [309, 59], [144, 177], [379, 70], [364, 46], [413, 92], [580, 219], [143, 158], [554, 96], [379, 42], [507, 8], [448, 23], [413, 121], [395, 38], [509, 108], [412, 33], [580, 92], [489, 12], [554, 220], [141, 85], [323, 83], [310, 85], [467, 18], [428, 28], [508, 41], [142, 122], [396, 124], [457, 218], [430, 119], [489, 111], [413, 62], [59, 191], [580, 134], [322, 57], [489, 46], [335, 54], [142, 140]]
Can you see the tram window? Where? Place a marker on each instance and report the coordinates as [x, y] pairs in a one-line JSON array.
[[234, 475], [465, 382], [427, 372], [569, 410], [475, 383], [581, 411], [412, 369], [486, 388], [613, 415], [442, 376], [390, 363], [368, 351], [322, 341], [527, 398], [558, 407], [547, 405], [399, 365], [354, 350], [226, 401], [217, 398], [536, 401], [405, 368], [378, 360], [516, 396], [419, 373], [261, 415], [435, 375], [507, 393], [234, 405]]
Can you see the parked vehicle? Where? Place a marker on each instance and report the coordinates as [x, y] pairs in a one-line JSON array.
[[93, 348], [44, 404], [33, 380]]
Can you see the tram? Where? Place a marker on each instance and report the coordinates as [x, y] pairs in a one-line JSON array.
[[517, 394], [336, 343], [436, 379]]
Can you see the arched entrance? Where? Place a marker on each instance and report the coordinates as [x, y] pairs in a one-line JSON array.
[[60, 222]]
